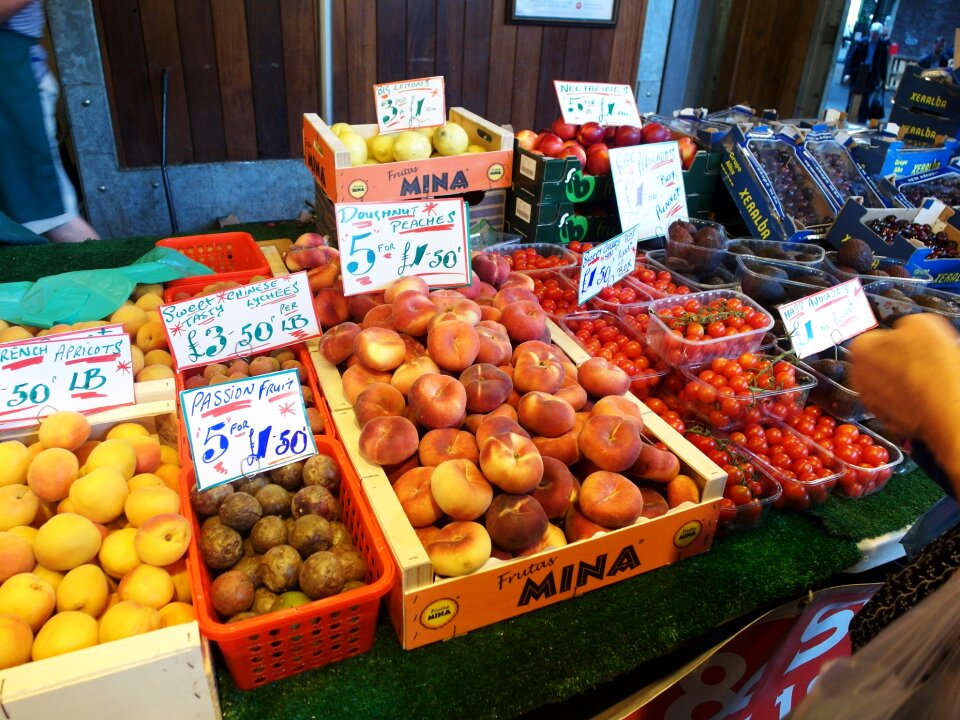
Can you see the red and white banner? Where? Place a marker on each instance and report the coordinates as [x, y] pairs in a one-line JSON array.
[[764, 671]]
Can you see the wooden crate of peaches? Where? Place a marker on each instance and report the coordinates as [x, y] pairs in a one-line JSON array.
[[496, 443]]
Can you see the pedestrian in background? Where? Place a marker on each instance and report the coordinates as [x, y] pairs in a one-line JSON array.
[[35, 190], [866, 73], [938, 57]]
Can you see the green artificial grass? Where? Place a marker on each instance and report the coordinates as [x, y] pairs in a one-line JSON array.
[[31, 262], [560, 651], [905, 498]]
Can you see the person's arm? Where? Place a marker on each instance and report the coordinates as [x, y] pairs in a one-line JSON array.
[[9, 8], [909, 377]]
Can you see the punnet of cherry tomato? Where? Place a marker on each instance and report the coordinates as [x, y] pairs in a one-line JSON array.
[[532, 258], [575, 246], [623, 292], [659, 282], [603, 334], [556, 293], [868, 460], [699, 327], [806, 472], [748, 493], [728, 393]]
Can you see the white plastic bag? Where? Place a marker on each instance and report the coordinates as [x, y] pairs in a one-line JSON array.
[[910, 670]]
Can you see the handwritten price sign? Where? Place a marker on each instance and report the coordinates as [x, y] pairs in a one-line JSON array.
[[381, 242], [603, 103], [85, 371], [410, 104], [606, 264], [241, 428], [648, 180], [826, 318], [241, 321]]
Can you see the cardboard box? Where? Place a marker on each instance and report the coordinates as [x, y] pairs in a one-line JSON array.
[[921, 127], [425, 609], [888, 155], [541, 179], [928, 96], [853, 222], [700, 183], [559, 222], [329, 162], [942, 183], [120, 678]]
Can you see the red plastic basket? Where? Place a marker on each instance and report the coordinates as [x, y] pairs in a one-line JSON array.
[[311, 381], [230, 255], [287, 642]]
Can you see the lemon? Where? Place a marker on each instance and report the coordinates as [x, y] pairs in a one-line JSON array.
[[381, 147], [338, 128], [356, 146], [411, 145], [451, 139]]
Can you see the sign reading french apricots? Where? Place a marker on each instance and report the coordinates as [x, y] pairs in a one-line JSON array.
[[410, 104], [246, 427], [241, 321], [603, 103], [648, 180], [380, 242], [83, 370]]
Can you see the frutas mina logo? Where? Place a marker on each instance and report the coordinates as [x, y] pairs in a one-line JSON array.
[[439, 613], [568, 576], [429, 183]]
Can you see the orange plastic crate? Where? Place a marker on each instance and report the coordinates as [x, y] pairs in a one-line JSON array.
[[287, 642], [319, 401], [231, 255]]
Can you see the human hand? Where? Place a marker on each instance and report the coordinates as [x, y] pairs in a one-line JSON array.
[[909, 377]]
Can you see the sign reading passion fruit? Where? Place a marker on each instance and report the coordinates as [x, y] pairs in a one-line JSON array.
[[604, 103], [410, 104], [245, 427], [380, 242]]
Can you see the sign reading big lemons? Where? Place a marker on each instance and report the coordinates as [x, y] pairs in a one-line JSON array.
[[380, 242], [410, 104]]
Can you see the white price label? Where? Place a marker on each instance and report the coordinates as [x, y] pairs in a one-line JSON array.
[[83, 370], [826, 318], [603, 103], [648, 180], [606, 264], [241, 321], [410, 104], [380, 242], [244, 427]]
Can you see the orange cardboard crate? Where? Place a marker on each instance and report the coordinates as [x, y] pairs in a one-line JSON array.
[[329, 161], [425, 609]]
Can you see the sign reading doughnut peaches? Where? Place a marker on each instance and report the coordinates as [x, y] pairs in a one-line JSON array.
[[381, 242]]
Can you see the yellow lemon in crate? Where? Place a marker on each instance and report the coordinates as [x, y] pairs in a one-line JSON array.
[[411, 145], [451, 139], [428, 131], [338, 128], [356, 146], [381, 147]]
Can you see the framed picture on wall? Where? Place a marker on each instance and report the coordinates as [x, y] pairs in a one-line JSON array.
[[580, 13]]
